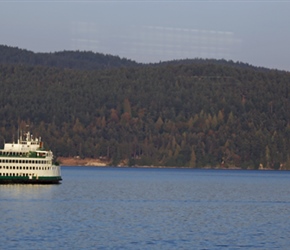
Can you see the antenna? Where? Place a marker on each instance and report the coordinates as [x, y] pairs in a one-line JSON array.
[[18, 134]]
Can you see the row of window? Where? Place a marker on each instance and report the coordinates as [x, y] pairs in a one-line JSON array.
[[8, 153], [16, 174], [23, 161], [27, 168]]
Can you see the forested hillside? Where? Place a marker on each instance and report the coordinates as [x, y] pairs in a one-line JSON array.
[[196, 113]]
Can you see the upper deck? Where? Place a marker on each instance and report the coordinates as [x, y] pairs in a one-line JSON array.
[[25, 146]]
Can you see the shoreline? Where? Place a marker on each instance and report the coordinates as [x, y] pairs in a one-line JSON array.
[[90, 162]]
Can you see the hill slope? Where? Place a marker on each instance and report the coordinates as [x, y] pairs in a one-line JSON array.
[[189, 114]]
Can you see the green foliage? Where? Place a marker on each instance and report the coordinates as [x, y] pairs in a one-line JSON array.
[[190, 113]]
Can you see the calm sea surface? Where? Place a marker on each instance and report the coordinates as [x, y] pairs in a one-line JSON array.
[[112, 208]]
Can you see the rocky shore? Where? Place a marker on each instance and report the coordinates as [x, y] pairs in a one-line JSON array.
[[76, 161]]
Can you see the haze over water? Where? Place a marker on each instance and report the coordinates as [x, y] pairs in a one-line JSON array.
[[111, 208]]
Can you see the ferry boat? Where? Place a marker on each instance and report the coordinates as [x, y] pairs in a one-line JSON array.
[[28, 162]]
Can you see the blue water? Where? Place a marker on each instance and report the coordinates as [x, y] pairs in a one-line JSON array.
[[111, 208]]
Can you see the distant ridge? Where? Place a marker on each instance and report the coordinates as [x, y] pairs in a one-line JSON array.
[[83, 60], [88, 60], [202, 61]]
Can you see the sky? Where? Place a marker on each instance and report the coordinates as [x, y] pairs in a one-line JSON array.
[[254, 32]]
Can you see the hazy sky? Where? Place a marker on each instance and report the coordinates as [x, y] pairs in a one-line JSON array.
[[254, 32]]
